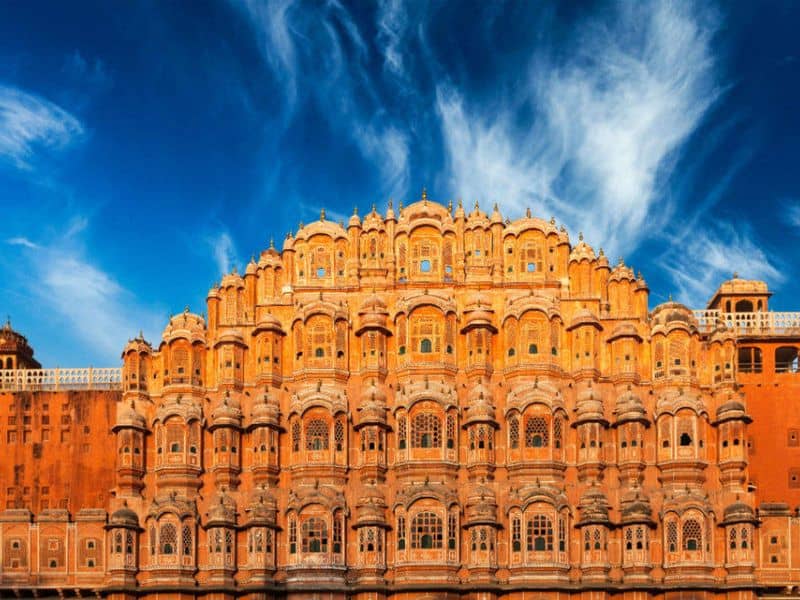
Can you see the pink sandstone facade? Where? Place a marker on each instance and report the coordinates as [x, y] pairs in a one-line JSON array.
[[424, 404]]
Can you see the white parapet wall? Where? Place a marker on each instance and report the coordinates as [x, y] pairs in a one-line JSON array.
[[84, 378]]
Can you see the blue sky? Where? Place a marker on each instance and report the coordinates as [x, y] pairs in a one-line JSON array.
[[147, 147]]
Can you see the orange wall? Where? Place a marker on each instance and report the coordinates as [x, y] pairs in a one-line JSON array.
[[70, 433]]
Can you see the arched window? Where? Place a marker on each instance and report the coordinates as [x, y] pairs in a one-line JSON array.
[[319, 353], [536, 434], [540, 534], [672, 536], [186, 540], [686, 439], [426, 431], [425, 346], [401, 533], [744, 306], [786, 360], [533, 349], [118, 543], [168, 539], [692, 535], [296, 436], [316, 435], [749, 359], [426, 531], [516, 535], [513, 432], [315, 535]]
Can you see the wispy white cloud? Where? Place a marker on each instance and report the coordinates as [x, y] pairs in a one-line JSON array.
[[30, 124], [713, 254], [320, 55], [608, 122], [392, 26], [224, 252], [76, 290], [21, 241], [793, 212]]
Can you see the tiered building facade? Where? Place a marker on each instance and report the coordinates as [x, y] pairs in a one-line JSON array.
[[423, 404]]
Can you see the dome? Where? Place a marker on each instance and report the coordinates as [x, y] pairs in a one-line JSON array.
[[621, 272], [582, 251], [481, 505], [268, 322], [371, 507], [625, 330], [593, 507], [589, 406], [252, 267], [373, 314], [186, 325], [478, 312], [480, 409], [138, 345], [584, 317], [635, 508], [124, 517], [13, 342], [733, 409], [673, 313], [232, 279], [128, 416], [262, 508], [372, 409], [265, 412], [226, 413], [221, 511], [738, 512], [630, 408]]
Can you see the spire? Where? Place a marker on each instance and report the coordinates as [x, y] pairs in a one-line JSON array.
[[322, 214], [528, 212], [355, 211], [424, 195], [580, 236], [272, 243]]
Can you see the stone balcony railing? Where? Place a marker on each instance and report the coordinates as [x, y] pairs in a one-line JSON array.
[[85, 378], [750, 323]]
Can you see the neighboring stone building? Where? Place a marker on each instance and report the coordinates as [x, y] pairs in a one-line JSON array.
[[426, 404]]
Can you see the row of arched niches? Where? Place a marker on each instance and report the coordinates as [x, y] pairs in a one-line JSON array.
[[479, 334]]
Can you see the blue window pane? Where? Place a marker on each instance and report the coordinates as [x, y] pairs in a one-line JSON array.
[[425, 266], [321, 272], [531, 267]]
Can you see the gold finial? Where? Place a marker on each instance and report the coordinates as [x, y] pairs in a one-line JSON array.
[[355, 211], [373, 208], [234, 270], [450, 205], [460, 205], [670, 297], [601, 251], [390, 204], [141, 334], [563, 229], [735, 275], [400, 205], [639, 275], [477, 206], [424, 195], [496, 208], [322, 214], [528, 212], [301, 225], [580, 236], [272, 243], [552, 220], [621, 261]]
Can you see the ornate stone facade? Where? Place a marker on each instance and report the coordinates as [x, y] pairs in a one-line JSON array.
[[426, 403]]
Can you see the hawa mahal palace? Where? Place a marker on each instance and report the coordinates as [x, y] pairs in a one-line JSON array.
[[431, 403]]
